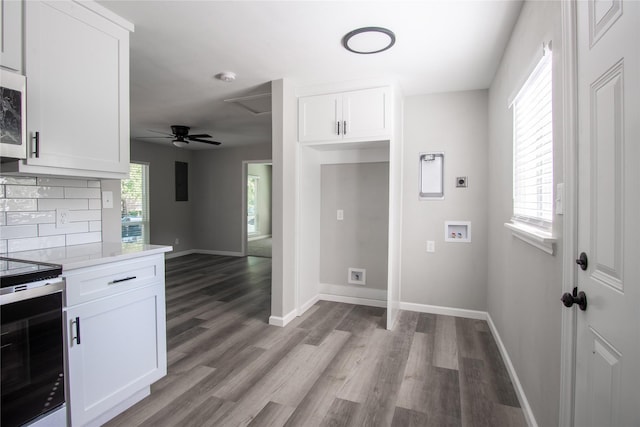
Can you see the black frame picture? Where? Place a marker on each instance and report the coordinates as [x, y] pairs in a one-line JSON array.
[[13, 129]]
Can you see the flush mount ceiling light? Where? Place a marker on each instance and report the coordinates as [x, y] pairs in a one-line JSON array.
[[226, 76], [368, 40]]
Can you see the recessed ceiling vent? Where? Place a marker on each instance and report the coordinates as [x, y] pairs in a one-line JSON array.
[[255, 104]]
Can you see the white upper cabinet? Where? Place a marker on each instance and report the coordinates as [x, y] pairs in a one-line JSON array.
[[11, 34], [77, 68], [356, 115]]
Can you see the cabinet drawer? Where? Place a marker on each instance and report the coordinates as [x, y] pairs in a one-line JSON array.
[[86, 284]]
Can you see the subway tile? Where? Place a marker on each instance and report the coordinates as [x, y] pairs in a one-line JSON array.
[[18, 180], [18, 231], [17, 245], [3, 246], [83, 238], [81, 193], [33, 192], [3, 218], [2, 191], [53, 204], [94, 184], [94, 215], [71, 228], [41, 217], [95, 226], [10, 205], [95, 204], [62, 182]]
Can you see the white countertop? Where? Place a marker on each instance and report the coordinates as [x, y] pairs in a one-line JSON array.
[[72, 257]]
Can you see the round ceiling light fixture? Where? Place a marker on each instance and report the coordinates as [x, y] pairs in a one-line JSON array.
[[368, 40], [226, 76]]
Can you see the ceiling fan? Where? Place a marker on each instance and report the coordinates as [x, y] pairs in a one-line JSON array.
[[181, 137]]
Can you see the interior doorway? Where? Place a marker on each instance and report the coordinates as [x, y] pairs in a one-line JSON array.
[[257, 208]]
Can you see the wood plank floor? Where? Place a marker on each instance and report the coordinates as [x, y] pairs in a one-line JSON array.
[[334, 366]]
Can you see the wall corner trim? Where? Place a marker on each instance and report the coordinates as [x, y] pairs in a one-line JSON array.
[[283, 321], [524, 403]]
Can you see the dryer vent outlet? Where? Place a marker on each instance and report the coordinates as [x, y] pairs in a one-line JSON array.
[[357, 276]]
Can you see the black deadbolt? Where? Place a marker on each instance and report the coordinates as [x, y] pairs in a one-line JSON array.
[[583, 262]]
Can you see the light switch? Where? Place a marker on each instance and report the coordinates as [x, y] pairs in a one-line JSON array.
[[431, 246], [107, 199], [560, 199], [340, 215]]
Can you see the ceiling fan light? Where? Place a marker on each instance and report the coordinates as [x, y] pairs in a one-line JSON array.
[[180, 143]]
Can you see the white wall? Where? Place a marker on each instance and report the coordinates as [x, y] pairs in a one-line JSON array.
[[455, 275], [360, 239], [524, 284]]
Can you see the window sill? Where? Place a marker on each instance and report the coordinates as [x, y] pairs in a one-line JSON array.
[[533, 236]]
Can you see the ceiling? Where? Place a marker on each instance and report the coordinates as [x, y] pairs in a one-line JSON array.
[[178, 47]]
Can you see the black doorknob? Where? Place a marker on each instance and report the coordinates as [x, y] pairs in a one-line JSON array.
[[583, 261], [579, 298]]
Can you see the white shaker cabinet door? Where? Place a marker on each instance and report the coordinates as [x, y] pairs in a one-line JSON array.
[[116, 346], [366, 113], [320, 118], [77, 67]]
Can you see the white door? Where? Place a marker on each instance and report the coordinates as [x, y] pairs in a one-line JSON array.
[[608, 331]]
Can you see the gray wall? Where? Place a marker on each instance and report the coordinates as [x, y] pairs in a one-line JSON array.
[[361, 190], [455, 275], [168, 219], [264, 195], [112, 217], [217, 196], [524, 283]]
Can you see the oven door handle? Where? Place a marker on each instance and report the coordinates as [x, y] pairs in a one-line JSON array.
[[49, 288]]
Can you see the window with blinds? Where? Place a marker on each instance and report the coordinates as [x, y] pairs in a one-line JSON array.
[[533, 148], [135, 204]]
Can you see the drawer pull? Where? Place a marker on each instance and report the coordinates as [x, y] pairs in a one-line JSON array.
[[121, 280], [76, 323]]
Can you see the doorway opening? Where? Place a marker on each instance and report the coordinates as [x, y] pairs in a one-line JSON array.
[[257, 212]]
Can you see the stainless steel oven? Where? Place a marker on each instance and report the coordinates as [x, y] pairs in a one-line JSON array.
[[31, 343]]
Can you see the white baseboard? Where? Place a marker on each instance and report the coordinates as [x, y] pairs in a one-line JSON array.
[[353, 300], [446, 311], [170, 255], [283, 321], [307, 305], [222, 253], [524, 403], [353, 291], [260, 237], [202, 251]]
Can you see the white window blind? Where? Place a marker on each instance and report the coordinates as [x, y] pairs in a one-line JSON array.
[[533, 148], [135, 204]]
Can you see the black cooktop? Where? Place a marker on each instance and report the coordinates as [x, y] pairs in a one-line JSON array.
[[17, 272]]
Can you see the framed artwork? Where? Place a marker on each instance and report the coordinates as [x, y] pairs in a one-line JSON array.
[[182, 182], [13, 115]]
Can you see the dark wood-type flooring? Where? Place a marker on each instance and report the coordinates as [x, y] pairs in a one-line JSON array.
[[336, 365]]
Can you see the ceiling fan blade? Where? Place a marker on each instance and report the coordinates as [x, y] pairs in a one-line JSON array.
[[155, 137], [157, 131], [205, 141], [199, 135]]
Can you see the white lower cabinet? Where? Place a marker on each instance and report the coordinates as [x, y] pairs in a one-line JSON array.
[[116, 345]]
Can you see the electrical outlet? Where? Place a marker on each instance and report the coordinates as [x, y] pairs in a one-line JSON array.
[[177, 241], [340, 215], [62, 218], [107, 199], [462, 182], [431, 246]]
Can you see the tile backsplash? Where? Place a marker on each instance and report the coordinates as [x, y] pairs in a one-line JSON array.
[[28, 212]]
